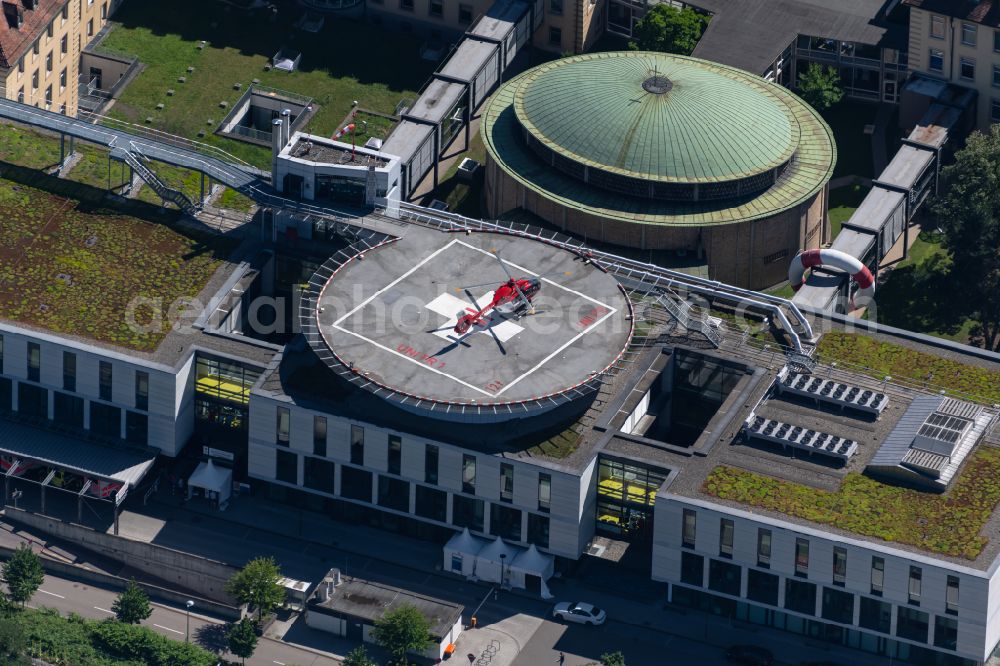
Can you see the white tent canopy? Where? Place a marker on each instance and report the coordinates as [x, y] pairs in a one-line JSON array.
[[489, 562], [460, 553], [212, 479], [476, 558], [533, 563]]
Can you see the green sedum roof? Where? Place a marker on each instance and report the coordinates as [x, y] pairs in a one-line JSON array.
[[808, 171], [709, 123]]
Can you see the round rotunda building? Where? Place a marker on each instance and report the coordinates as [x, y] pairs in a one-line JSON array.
[[663, 152]]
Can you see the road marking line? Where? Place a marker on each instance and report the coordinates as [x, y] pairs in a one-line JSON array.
[[168, 629], [104, 610], [279, 663], [53, 594]]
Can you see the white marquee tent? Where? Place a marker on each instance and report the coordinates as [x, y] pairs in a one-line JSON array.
[[215, 482]]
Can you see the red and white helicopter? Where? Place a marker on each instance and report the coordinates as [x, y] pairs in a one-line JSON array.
[[510, 299]]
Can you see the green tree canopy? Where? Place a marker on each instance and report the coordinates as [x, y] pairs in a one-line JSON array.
[[668, 29], [132, 605], [613, 659], [820, 86], [23, 573], [257, 584], [968, 212], [403, 630], [242, 638], [358, 657]]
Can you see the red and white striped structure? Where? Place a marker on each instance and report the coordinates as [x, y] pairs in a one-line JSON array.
[[845, 262]]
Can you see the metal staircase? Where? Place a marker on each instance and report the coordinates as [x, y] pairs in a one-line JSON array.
[[135, 159], [680, 310]]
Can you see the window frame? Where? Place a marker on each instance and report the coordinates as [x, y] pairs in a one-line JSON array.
[[283, 426], [967, 29], [939, 55], [764, 544], [964, 62], [689, 528], [878, 576], [936, 21], [802, 557], [727, 529]]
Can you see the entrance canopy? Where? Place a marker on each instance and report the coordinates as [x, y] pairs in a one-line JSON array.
[[209, 478], [113, 469]]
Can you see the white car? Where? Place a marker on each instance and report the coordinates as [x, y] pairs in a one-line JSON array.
[[579, 612]]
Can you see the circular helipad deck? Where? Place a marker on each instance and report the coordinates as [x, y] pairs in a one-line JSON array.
[[385, 319]]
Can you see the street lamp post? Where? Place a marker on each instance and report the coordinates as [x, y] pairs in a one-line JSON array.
[[187, 621], [503, 569]]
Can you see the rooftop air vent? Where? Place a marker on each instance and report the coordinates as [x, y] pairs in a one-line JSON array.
[[828, 390], [786, 434], [13, 14]]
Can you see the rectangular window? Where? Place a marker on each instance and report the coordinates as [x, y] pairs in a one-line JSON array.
[[136, 428], [996, 76], [467, 512], [141, 390], [395, 454], [544, 492], [49, 31], [555, 36], [556, 7], [945, 632], [762, 587], [431, 504], [506, 482], [995, 110], [406, 5], [357, 445], [34, 82], [538, 530], [951, 596], [7, 396], [878, 575], [104, 379], [286, 467], [839, 565], [436, 8], [67, 410], [935, 62], [967, 69], [969, 34], [105, 420], [36, 48], [90, 28], [62, 80], [48, 95], [393, 493], [318, 474], [725, 577], [937, 27], [996, 41], [690, 528], [283, 426], [911, 624], [800, 596], [319, 436], [764, 548], [64, 45], [33, 401], [801, 557], [692, 569], [913, 589], [505, 522], [104, 11], [20, 65], [34, 362], [837, 606], [726, 538], [355, 483], [431, 464], [469, 474], [65, 12], [875, 615], [48, 62], [465, 14]]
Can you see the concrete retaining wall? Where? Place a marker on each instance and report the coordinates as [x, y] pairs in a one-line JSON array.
[[188, 571]]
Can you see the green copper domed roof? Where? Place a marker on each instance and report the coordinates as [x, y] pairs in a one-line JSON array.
[[657, 117]]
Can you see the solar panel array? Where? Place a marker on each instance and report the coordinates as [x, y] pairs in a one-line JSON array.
[[834, 392], [786, 434], [943, 428]]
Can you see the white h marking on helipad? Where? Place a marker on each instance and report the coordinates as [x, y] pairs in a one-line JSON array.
[[450, 307]]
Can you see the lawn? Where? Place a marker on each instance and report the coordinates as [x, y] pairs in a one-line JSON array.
[[27, 148], [843, 202], [92, 169], [884, 358], [71, 265], [949, 524], [346, 61], [847, 119]]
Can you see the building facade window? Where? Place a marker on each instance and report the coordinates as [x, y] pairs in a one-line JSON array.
[[431, 504], [467, 512], [538, 530], [357, 445], [141, 390], [837, 606], [48, 62], [431, 455], [556, 7], [319, 436], [839, 566], [995, 110], [800, 596], [951, 596], [136, 428], [996, 41], [544, 492], [555, 36], [34, 362], [62, 80], [465, 14], [692, 569], [395, 454], [725, 577], [286, 467], [913, 588], [68, 410], [319, 474], [967, 69], [469, 474], [690, 528], [875, 615], [282, 427], [935, 61], [878, 575], [64, 45], [34, 401], [436, 8], [945, 632], [505, 522], [506, 482], [801, 557], [48, 95], [969, 34], [34, 82], [393, 493], [355, 483], [105, 420], [726, 538], [937, 27], [764, 548], [911, 624], [762, 587], [996, 75], [104, 380], [406, 5]]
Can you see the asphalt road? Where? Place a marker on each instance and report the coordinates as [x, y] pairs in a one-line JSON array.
[[93, 602]]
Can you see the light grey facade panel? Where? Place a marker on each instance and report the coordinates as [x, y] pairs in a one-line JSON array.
[[450, 469], [412, 458]]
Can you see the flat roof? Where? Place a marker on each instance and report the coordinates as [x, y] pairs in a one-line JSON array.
[[470, 57], [500, 19], [369, 601], [436, 100]]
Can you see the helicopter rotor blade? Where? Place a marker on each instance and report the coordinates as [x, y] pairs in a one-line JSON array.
[[489, 327], [496, 253]]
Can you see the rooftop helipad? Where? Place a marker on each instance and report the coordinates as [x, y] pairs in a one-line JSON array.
[[387, 318]]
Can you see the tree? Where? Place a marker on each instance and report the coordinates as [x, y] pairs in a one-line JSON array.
[[820, 86], [358, 657], [242, 638], [968, 213], [403, 630], [23, 573], [668, 29], [257, 585], [132, 605], [613, 659]]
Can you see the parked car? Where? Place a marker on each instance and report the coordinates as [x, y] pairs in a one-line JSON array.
[[753, 655], [577, 611]]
